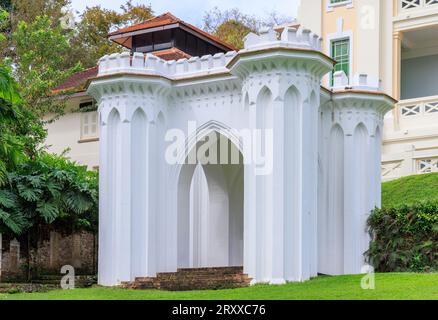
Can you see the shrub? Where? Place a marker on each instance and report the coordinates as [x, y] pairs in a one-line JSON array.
[[49, 190], [404, 237]]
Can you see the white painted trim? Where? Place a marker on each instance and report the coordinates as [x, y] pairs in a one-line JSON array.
[[331, 6], [420, 52], [336, 37]]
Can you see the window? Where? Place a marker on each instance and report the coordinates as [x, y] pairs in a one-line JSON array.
[[89, 120], [336, 3], [340, 51], [427, 165], [417, 4]]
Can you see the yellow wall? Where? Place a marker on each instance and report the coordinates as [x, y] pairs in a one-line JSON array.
[[329, 23]]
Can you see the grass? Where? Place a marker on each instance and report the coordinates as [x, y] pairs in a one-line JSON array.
[[389, 286], [408, 190]]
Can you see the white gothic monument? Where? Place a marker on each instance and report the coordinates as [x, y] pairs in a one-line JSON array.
[[286, 211]]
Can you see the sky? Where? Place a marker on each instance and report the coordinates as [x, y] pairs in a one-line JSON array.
[[193, 11]]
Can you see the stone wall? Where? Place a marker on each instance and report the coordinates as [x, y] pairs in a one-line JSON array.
[[52, 251]]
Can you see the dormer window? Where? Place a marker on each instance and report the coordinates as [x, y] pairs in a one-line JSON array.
[[166, 32]]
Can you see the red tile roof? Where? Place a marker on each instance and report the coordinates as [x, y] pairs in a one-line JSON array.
[[161, 21], [171, 54], [78, 80]]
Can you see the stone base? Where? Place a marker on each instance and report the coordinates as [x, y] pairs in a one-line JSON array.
[[193, 279]]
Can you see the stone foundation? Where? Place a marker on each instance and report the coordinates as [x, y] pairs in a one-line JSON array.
[[47, 255]]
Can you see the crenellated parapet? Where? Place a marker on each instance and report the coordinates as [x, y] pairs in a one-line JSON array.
[[150, 65], [360, 103], [279, 61], [295, 38]]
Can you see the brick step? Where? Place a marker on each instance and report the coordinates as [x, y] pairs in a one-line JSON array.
[[193, 279], [195, 276], [212, 270]]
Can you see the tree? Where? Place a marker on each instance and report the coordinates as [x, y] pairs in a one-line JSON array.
[[232, 25], [91, 37], [40, 52], [233, 32], [27, 11], [20, 131]]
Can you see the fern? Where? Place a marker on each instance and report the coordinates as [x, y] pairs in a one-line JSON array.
[[49, 211], [8, 199], [49, 190], [15, 222], [28, 193]]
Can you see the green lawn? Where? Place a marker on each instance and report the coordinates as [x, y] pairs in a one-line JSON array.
[[387, 286], [408, 190]]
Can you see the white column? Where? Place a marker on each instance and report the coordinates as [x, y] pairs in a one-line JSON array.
[[280, 227], [124, 198], [249, 219], [310, 186], [351, 207], [109, 130]]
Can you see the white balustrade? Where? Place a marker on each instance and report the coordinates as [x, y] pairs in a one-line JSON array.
[[419, 107]]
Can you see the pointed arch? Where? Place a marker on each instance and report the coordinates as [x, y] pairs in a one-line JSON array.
[[264, 109], [246, 102], [224, 242]]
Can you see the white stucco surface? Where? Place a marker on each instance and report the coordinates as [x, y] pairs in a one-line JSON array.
[[288, 220]]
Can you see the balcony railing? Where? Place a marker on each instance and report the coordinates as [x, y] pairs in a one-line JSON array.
[[416, 4], [418, 107]]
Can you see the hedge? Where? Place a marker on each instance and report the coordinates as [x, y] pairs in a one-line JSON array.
[[404, 238]]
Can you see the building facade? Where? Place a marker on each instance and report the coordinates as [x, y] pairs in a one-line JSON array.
[[395, 42], [286, 209]]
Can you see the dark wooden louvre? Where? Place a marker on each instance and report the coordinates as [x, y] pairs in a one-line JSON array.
[[173, 38]]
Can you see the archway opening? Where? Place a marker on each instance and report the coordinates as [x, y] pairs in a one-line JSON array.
[[210, 205]]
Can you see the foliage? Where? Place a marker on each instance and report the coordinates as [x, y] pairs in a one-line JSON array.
[[49, 190], [38, 189], [20, 130], [40, 51], [232, 25], [90, 40], [388, 286], [233, 32], [27, 11], [405, 237], [408, 190]]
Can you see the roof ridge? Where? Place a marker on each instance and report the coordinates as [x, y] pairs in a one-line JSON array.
[[171, 16]]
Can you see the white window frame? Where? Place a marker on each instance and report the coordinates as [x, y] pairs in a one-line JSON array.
[[331, 6], [432, 166], [338, 36], [88, 136]]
